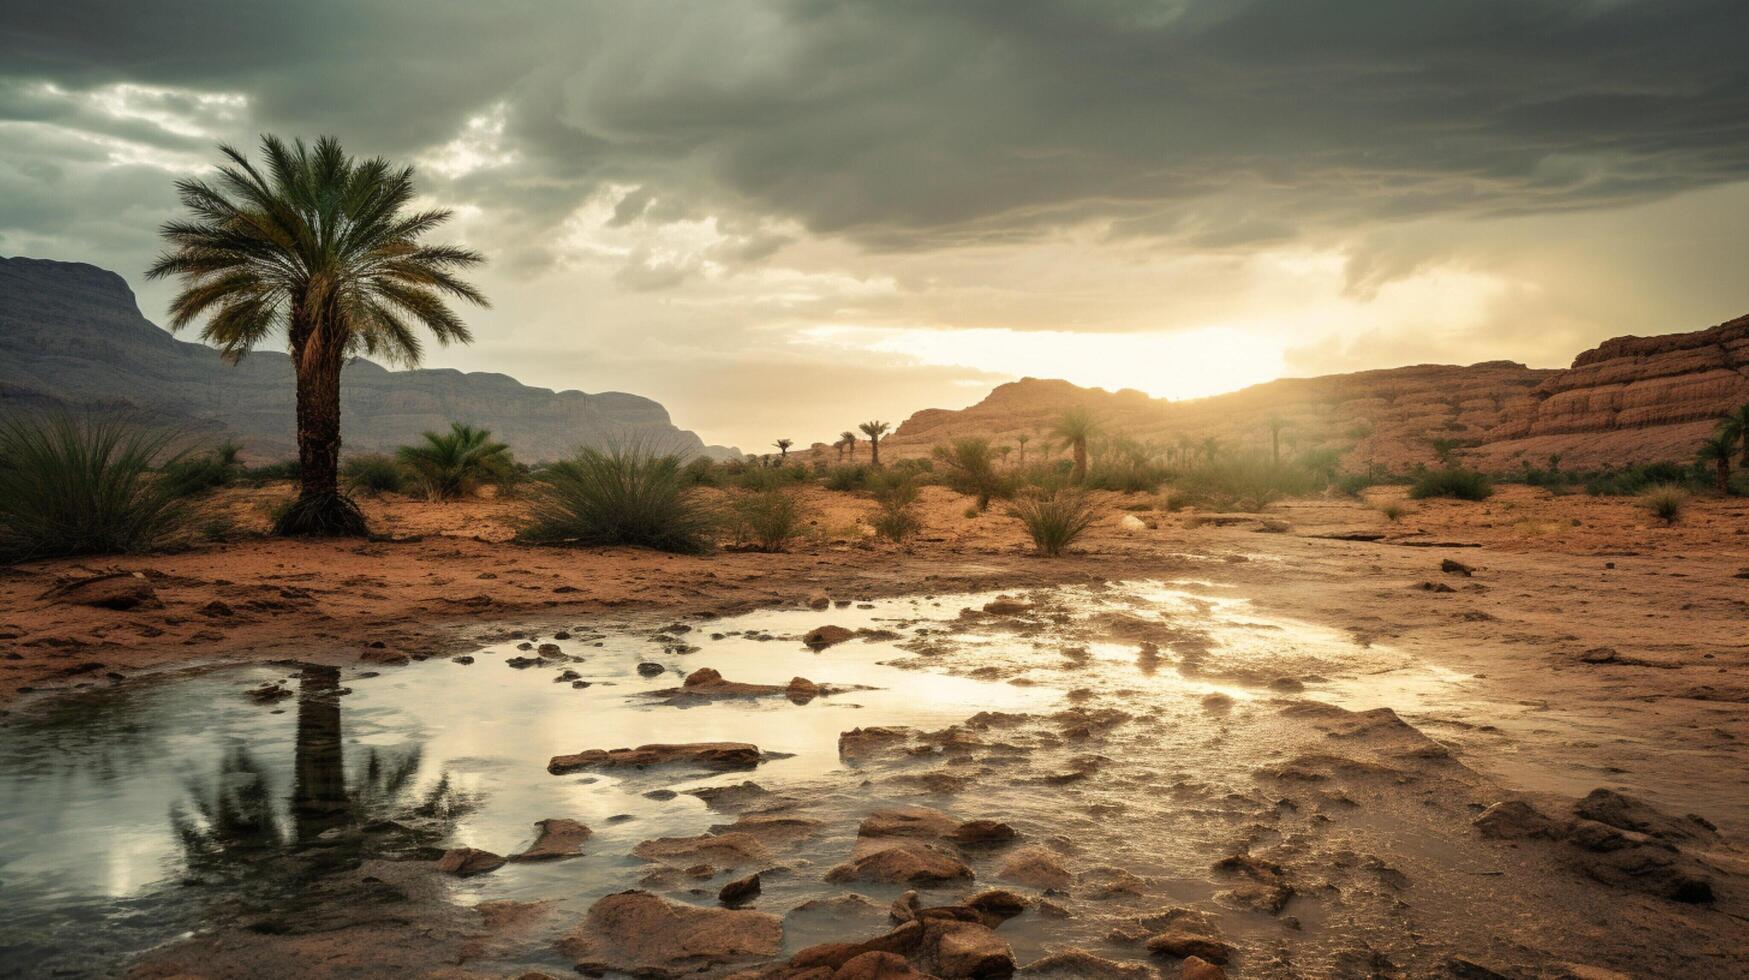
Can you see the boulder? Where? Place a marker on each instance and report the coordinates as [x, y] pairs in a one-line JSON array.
[[900, 863], [740, 891], [120, 591], [1079, 964], [638, 933], [1183, 942], [1197, 968], [464, 862], [1037, 867], [821, 637], [708, 755], [970, 950], [723, 850], [1514, 820], [908, 821], [556, 838]]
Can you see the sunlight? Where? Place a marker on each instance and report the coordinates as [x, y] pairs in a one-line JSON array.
[[1178, 364]]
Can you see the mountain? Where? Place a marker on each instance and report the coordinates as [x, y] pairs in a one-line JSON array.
[[72, 335], [1630, 400]]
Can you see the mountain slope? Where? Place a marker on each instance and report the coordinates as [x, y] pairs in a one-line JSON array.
[[72, 335]]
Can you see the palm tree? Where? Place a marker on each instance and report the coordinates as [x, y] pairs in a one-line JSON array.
[[1002, 453], [452, 464], [1276, 423], [1736, 426], [1021, 440], [322, 246], [1717, 450], [1075, 427], [849, 440], [874, 431], [783, 449], [1211, 447]]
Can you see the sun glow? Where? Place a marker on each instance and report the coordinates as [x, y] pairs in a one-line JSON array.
[[1176, 364]]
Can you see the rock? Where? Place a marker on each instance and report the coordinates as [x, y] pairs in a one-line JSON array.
[[801, 690], [977, 833], [740, 890], [821, 637], [901, 941], [638, 933], [556, 838], [523, 663], [119, 591], [1435, 587], [908, 821], [1079, 964], [819, 600], [1197, 968], [270, 692], [216, 608], [862, 742], [999, 903], [967, 949], [1452, 567], [876, 965], [702, 676], [464, 660], [1037, 867], [1599, 655], [1132, 523], [1004, 606], [709, 755], [385, 657], [464, 862], [648, 669], [723, 850], [1514, 820], [1627, 813], [900, 863], [1184, 943]]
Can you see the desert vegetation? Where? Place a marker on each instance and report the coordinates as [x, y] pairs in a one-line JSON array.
[[85, 486], [1665, 502], [621, 496], [325, 248], [1054, 519], [450, 465]]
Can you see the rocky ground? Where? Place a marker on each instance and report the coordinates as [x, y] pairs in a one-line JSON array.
[[1534, 824]]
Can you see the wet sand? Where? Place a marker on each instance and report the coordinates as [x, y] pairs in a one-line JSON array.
[[1586, 647]]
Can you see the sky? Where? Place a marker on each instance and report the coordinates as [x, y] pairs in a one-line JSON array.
[[780, 218]]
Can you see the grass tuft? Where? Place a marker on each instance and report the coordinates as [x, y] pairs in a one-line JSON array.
[[1054, 520], [373, 474], [1666, 502], [83, 487], [767, 520], [622, 496]]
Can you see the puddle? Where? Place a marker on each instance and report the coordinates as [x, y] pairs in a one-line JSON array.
[[135, 815]]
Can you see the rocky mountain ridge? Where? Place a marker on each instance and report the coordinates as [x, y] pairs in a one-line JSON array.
[[1629, 400], [72, 336]]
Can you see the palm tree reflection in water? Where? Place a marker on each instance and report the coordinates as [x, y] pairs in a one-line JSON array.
[[265, 853]]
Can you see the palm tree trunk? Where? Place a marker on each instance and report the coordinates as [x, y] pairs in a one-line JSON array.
[[1080, 461], [1724, 474], [874, 451], [319, 426]]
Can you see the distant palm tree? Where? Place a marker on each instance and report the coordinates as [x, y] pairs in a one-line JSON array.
[[323, 247], [1211, 447], [1717, 450], [1736, 426], [839, 445], [1276, 423], [850, 440], [874, 431], [783, 449], [1022, 440], [1074, 428], [1002, 453], [452, 464]]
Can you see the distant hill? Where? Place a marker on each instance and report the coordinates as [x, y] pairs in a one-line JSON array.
[[1630, 400], [72, 335]]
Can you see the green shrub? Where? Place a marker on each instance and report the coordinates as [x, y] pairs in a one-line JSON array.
[[1393, 511], [271, 472], [701, 471], [83, 487], [1244, 482], [1632, 481], [895, 494], [626, 496], [847, 477], [969, 466], [199, 472], [1452, 481], [1054, 520], [453, 464], [373, 473], [766, 520], [1665, 502], [1353, 484]]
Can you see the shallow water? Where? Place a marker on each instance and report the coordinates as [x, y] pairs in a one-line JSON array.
[[132, 815]]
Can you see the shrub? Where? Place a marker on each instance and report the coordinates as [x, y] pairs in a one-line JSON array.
[[852, 476], [1452, 481], [1054, 520], [200, 472], [82, 487], [626, 496], [895, 494], [1393, 511], [1665, 502], [1635, 480], [1246, 482], [271, 472], [766, 520], [453, 464], [970, 466], [373, 474], [700, 471], [1353, 484]]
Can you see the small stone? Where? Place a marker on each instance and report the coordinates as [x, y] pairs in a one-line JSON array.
[[821, 637], [465, 862], [740, 890], [819, 600], [648, 669], [1451, 567]]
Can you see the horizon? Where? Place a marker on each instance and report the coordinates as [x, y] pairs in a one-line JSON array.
[[854, 213]]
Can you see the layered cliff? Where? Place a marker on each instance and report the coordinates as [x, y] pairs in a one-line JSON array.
[[72, 335], [1630, 400]]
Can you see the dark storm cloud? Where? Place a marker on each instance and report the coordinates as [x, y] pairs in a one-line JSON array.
[[1220, 124]]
